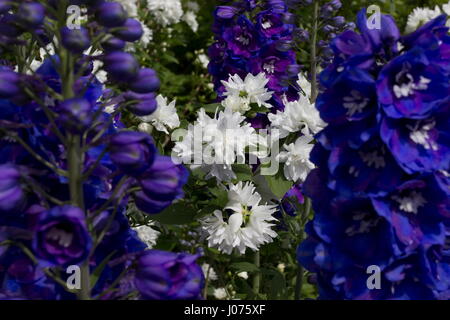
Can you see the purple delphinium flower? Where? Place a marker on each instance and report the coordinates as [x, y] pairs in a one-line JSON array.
[[61, 236], [419, 145], [351, 97], [417, 210], [412, 85], [9, 83], [146, 81], [130, 31], [293, 197], [121, 66], [60, 146], [242, 38]]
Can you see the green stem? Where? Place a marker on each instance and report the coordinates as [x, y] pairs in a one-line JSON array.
[[257, 276], [75, 176], [75, 158], [205, 289], [298, 283], [392, 8], [313, 52], [300, 270]]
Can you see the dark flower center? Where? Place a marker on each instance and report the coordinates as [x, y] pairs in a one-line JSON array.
[[61, 235]]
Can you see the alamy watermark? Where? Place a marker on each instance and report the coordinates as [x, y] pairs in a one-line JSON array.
[[73, 282], [76, 15], [374, 280], [374, 20]]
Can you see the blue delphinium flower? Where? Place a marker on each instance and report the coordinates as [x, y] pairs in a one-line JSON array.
[[380, 193]]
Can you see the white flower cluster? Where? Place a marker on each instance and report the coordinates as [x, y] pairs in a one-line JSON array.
[[241, 93], [148, 235], [223, 140], [420, 16], [215, 143], [163, 119], [130, 6], [165, 12], [298, 116], [246, 223]]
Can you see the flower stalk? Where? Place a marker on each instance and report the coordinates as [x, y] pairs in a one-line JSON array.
[[257, 276], [313, 52]]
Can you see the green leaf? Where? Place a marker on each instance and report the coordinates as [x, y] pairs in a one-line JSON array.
[[277, 285], [278, 185], [221, 197], [243, 172], [179, 213], [244, 266], [259, 109], [212, 107]]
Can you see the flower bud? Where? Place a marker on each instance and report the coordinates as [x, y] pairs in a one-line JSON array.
[[12, 196], [133, 152], [164, 180], [76, 40], [145, 104], [9, 27], [146, 81], [111, 14], [113, 44], [9, 83], [225, 12], [31, 14], [338, 21], [163, 275], [5, 5], [75, 114], [121, 66], [130, 31]]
